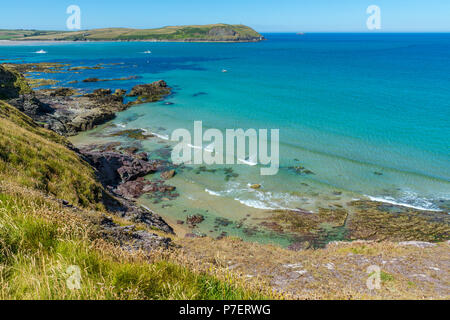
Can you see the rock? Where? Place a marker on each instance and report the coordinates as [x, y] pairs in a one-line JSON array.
[[221, 31], [150, 92], [167, 174], [222, 235], [101, 92], [299, 246], [115, 167], [60, 109], [32, 107], [130, 150], [418, 244], [301, 272], [134, 169], [293, 265], [89, 120], [137, 134], [124, 173], [64, 92], [67, 114], [255, 186], [120, 92], [91, 80], [191, 235], [132, 189], [194, 219], [131, 239], [329, 266]]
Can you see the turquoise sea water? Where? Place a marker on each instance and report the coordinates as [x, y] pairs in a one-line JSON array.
[[369, 114]]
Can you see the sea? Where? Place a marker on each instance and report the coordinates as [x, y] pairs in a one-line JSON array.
[[360, 116]]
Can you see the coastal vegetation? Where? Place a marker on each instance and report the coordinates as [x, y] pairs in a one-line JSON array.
[[211, 32]]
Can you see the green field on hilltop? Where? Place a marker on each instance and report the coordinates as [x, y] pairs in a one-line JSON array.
[[211, 32]]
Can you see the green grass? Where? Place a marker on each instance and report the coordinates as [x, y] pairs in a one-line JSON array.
[[36, 251], [23, 34], [37, 158], [386, 277]]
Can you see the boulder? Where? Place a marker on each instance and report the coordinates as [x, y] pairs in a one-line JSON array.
[[195, 219], [150, 92], [167, 174]]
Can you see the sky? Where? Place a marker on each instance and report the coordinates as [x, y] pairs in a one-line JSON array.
[[262, 15]]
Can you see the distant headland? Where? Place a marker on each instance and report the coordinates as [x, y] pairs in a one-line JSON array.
[[191, 33]]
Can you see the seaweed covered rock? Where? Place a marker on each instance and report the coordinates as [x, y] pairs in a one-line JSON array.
[[150, 92], [63, 92]]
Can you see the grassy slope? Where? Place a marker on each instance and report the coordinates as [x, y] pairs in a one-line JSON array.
[[40, 239], [14, 34], [167, 33]]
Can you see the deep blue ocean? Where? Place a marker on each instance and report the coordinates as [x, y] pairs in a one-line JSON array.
[[368, 114]]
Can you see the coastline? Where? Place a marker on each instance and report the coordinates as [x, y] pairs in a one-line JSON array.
[[149, 40], [274, 222], [329, 266]]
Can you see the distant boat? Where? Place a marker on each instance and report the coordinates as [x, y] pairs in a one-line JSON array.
[[224, 70], [41, 51], [148, 51], [300, 33]]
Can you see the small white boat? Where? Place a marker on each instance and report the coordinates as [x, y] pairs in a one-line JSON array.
[[147, 52], [224, 70], [41, 51]]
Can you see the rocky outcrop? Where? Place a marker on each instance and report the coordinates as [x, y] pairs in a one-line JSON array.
[[195, 219], [221, 32], [130, 238], [32, 106], [167, 174], [65, 114], [150, 92], [115, 168], [123, 174], [65, 111]]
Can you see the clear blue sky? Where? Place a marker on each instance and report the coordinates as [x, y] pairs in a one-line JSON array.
[[263, 15]]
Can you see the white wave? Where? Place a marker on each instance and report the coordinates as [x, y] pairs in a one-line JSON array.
[[213, 193], [256, 199], [395, 202], [255, 204], [121, 125], [161, 136]]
